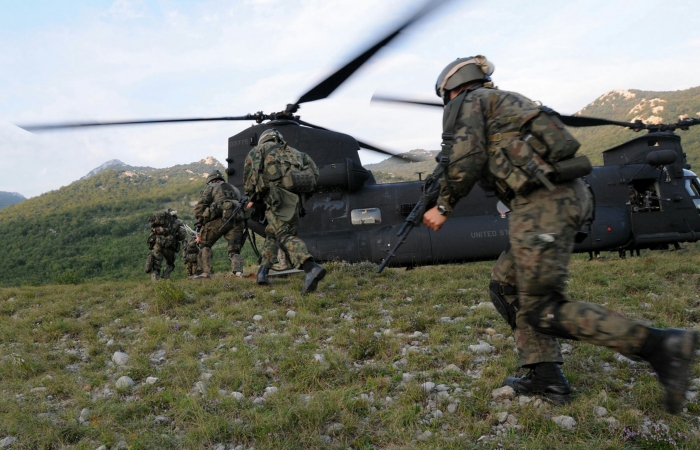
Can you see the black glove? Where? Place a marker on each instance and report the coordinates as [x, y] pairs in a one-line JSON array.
[[302, 212]]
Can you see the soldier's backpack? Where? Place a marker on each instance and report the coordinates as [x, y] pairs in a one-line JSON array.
[[285, 167], [160, 219], [226, 198]]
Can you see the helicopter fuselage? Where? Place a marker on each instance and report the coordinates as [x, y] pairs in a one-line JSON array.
[[352, 218]]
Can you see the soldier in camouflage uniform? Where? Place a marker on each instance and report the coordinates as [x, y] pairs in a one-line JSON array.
[[509, 144], [271, 170], [214, 206], [167, 231], [190, 255]]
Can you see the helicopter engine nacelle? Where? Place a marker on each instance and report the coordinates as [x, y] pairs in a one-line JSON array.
[[347, 175]]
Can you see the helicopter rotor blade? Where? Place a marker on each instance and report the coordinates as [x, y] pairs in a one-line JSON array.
[[365, 145], [333, 81], [66, 125], [571, 121], [382, 98]]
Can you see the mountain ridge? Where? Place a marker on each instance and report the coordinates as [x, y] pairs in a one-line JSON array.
[[10, 198]]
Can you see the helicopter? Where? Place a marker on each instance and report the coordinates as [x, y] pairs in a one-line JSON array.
[[646, 196]]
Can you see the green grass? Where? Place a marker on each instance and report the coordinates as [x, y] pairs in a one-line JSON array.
[[338, 365]]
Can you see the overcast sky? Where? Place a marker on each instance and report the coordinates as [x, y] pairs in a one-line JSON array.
[[123, 59]]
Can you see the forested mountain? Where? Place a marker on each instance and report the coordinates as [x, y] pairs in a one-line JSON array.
[[115, 164], [95, 227], [10, 198], [648, 106], [395, 170]]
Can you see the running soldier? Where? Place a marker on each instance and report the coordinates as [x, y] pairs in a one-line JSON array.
[[282, 178], [214, 207], [167, 231], [522, 151]]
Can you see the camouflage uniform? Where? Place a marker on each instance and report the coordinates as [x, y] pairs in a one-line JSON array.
[[216, 202], [164, 243], [190, 254], [543, 225], [282, 206]]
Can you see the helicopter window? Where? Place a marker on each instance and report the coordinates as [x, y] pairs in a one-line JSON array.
[[644, 196], [692, 187], [366, 216]]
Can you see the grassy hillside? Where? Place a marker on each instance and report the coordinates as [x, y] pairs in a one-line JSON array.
[[394, 170], [399, 360], [648, 106], [96, 228]]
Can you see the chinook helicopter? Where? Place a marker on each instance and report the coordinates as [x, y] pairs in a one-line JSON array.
[[646, 196]]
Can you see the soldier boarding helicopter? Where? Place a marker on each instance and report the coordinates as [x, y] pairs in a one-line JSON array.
[[646, 195]]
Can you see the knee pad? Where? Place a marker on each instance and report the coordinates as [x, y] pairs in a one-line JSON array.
[[497, 292], [547, 318]]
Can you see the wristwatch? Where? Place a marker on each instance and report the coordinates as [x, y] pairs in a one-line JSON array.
[[441, 210]]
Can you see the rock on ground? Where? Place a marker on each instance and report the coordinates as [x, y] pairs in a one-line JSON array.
[[565, 422]]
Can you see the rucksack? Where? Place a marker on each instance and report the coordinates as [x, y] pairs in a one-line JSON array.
[[285, 167], [160, 219]]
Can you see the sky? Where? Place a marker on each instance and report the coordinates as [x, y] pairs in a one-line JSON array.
[[99, 60]]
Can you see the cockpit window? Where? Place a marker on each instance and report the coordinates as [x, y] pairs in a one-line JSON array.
[[366, 216], [693, 187]]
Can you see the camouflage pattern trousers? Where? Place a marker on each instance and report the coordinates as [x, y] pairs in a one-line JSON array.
[[211, 232], [190, 254], [543, 226], [158, 253], [281, 234]]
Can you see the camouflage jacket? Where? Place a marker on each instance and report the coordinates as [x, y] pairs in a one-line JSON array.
[[209, 204], [256, 182], [487, 119]]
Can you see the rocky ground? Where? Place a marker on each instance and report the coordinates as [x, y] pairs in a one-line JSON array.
[[404, 359]]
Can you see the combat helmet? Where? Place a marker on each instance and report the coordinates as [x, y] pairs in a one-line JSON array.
[[215, 175], [271, 135], [460, 71]]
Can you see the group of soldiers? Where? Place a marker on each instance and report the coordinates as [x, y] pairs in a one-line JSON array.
[[278, 179], [509, 145]]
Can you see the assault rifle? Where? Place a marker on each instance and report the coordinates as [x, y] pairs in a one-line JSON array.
[[241, 204], [431, 190]]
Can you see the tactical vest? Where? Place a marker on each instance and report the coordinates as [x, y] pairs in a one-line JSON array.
[[285, 167], [539, 153], [226, 198]]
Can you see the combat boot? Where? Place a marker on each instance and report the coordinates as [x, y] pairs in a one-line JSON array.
[[314, 274], [546, 379], [262, 275], [671, 353], [155, 276], [167, 271], [201, 276]]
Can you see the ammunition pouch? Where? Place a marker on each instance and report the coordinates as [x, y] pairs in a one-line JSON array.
[[227, 207], [207, 214], [299, 181]]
